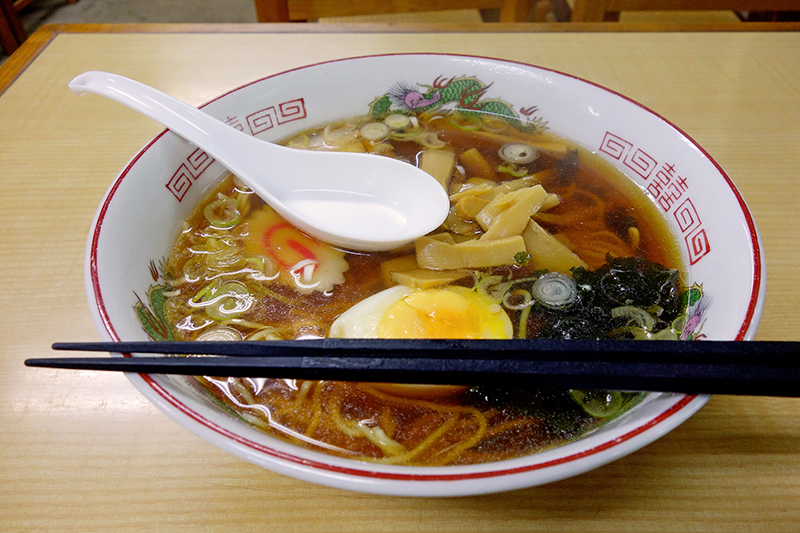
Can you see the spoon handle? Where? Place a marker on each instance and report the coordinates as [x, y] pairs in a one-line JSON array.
[[231, 147]]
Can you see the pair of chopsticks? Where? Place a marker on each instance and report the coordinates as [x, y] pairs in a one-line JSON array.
[[710, 367]]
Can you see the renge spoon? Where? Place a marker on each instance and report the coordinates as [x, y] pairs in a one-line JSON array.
[[358, 201]]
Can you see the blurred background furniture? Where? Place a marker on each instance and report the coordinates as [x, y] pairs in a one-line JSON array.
[[12, 34], [761, 10], [20, 17], [12, 31], [307, 10]]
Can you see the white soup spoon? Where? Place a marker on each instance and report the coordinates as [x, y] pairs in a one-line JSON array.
[[357, 201]]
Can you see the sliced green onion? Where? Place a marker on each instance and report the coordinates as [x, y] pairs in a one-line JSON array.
[[410, 134], [466, 122], [208, 290], [636, 316], [396, 121], [241, 186], [230, 300], [518, 153], [679, 323], [666, 334], [222, 333], [555, 290], [382, 148], [262, 267], [494, 124], [631, 332], [301, 141], [374, 131], [522, 325], [431, 140], [517, 299], [194, 268], [485, 283], [599, 404], [223, 212], [514, 170]]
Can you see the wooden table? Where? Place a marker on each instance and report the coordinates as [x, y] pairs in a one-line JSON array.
[[85, 452]]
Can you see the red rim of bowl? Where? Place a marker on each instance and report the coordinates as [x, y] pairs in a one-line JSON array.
[[680, 405]]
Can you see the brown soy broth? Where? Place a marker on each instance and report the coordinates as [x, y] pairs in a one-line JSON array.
[[591, 176], [625, 206], [508, 433], [279, 305], [334, 417]]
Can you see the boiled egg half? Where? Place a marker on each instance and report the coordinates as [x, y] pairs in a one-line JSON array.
[[399, 312]]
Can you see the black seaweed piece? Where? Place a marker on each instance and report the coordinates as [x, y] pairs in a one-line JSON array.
[[633, 281], [554, 407], [620, 282], [627, 281], [619, 219], [564, 170]]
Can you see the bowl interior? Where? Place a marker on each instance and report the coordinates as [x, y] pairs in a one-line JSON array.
[[718, 239]]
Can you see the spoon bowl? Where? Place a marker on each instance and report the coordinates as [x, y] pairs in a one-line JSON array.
[[351, 200]]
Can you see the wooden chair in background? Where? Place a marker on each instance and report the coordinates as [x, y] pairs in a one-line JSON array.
[[609, 10], [12, 32], [305, 10]]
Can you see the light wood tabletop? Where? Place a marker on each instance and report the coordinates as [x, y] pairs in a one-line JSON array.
[[85, 451]]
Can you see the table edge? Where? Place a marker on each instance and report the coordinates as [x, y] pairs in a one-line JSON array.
[[16, 64]]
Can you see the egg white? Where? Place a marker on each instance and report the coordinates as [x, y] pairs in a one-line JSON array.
[[361, 321]]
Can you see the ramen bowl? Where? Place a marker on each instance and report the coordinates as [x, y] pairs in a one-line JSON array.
[[140, 216]]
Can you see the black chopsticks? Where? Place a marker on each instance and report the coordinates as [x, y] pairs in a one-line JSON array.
[[712, 367]]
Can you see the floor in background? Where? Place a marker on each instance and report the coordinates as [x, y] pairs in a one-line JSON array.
[[233, 11], [126, 11], [109, 11]]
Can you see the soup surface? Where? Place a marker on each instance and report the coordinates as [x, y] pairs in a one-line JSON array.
[[543, 240]]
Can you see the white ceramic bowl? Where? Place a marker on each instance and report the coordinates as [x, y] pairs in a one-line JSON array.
[[139, 218]]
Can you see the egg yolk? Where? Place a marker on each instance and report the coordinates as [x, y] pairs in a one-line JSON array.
[[450, 313]]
